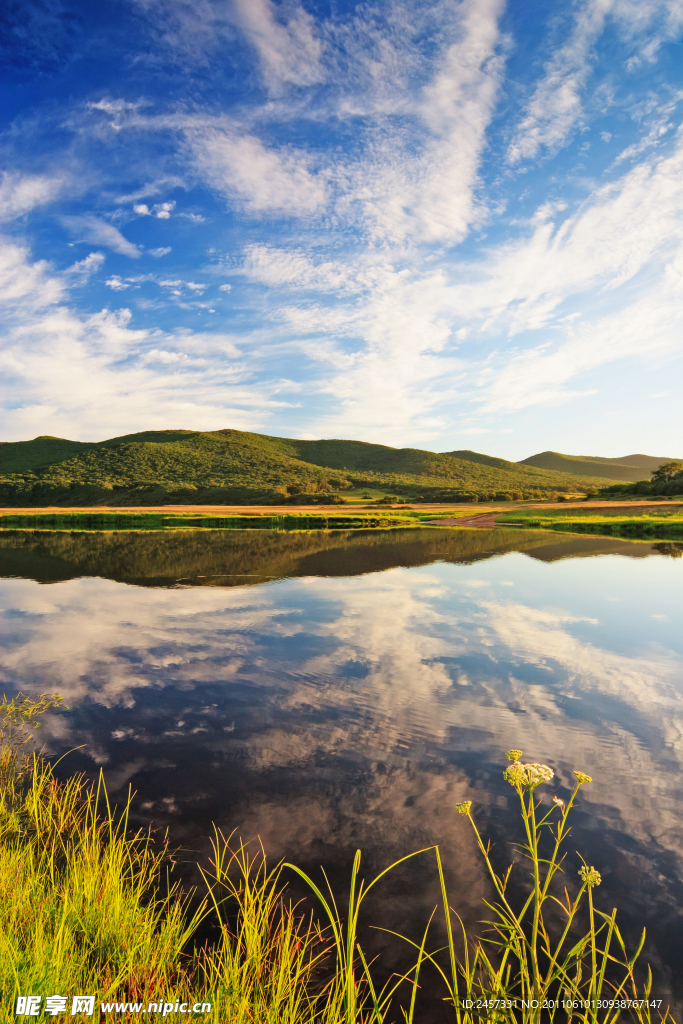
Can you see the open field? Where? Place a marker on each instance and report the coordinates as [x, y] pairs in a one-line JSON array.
[[662, 521]]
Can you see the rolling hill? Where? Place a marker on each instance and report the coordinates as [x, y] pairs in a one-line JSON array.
[[240, 467], [627, 469]]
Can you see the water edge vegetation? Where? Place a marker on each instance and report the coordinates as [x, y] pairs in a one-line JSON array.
[[644, 523], [87, 906]]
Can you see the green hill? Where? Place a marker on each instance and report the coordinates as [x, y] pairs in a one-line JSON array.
[[629, 468], [239, 467], [20, 456]]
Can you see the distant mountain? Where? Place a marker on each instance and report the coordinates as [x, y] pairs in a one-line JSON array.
[[240, 467], [627, 468], [484, 460]]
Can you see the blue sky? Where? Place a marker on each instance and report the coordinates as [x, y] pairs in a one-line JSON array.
[[445, 224]]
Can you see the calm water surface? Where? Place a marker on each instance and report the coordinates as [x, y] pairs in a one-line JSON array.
[[329, 691]]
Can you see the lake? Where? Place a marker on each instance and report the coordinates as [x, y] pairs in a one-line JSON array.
[[329, 691]]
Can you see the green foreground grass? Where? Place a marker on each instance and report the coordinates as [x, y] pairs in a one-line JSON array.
[[647, 524], [86, 908]]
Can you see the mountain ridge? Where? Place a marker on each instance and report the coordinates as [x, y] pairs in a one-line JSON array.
[[626, 468]]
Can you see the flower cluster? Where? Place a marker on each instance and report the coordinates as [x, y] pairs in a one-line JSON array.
[[589, 876], [581, 777], [464, 807], [528, 775], [514, 755]]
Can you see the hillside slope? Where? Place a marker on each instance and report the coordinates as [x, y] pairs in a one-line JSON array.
[[233, 467], [628, 468], [20, 456]]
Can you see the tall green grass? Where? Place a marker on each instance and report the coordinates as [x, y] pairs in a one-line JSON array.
[[86, 908]]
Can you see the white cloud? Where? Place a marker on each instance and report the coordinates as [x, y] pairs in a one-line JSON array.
[[161, 251], [660, 122], [163, 210], [391, 371], [19, 194], [262, 180], [84, 376], [116, 283], [416, 171], [253, 176], [91, 229], [84, 269], [28, 284], [111, 106], [392, 330]]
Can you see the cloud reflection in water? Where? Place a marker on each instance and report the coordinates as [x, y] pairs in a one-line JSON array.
[[328, 711]]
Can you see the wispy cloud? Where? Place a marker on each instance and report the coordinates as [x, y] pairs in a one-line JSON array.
[[21, 193], [151, 188], [556, 107], [26, 285], [83, 270], [540, 377], [92, 229], [284, 36], [254, 176], [295, 269], [285, 39], [77, 373]]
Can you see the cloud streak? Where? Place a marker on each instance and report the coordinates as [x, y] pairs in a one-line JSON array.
[[556, 107], [92, 229]]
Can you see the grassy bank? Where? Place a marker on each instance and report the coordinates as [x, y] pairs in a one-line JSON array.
[[86, 908], [112, 520], [640, 525]]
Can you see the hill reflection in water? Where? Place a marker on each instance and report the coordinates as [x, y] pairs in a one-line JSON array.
[[334, 690]]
